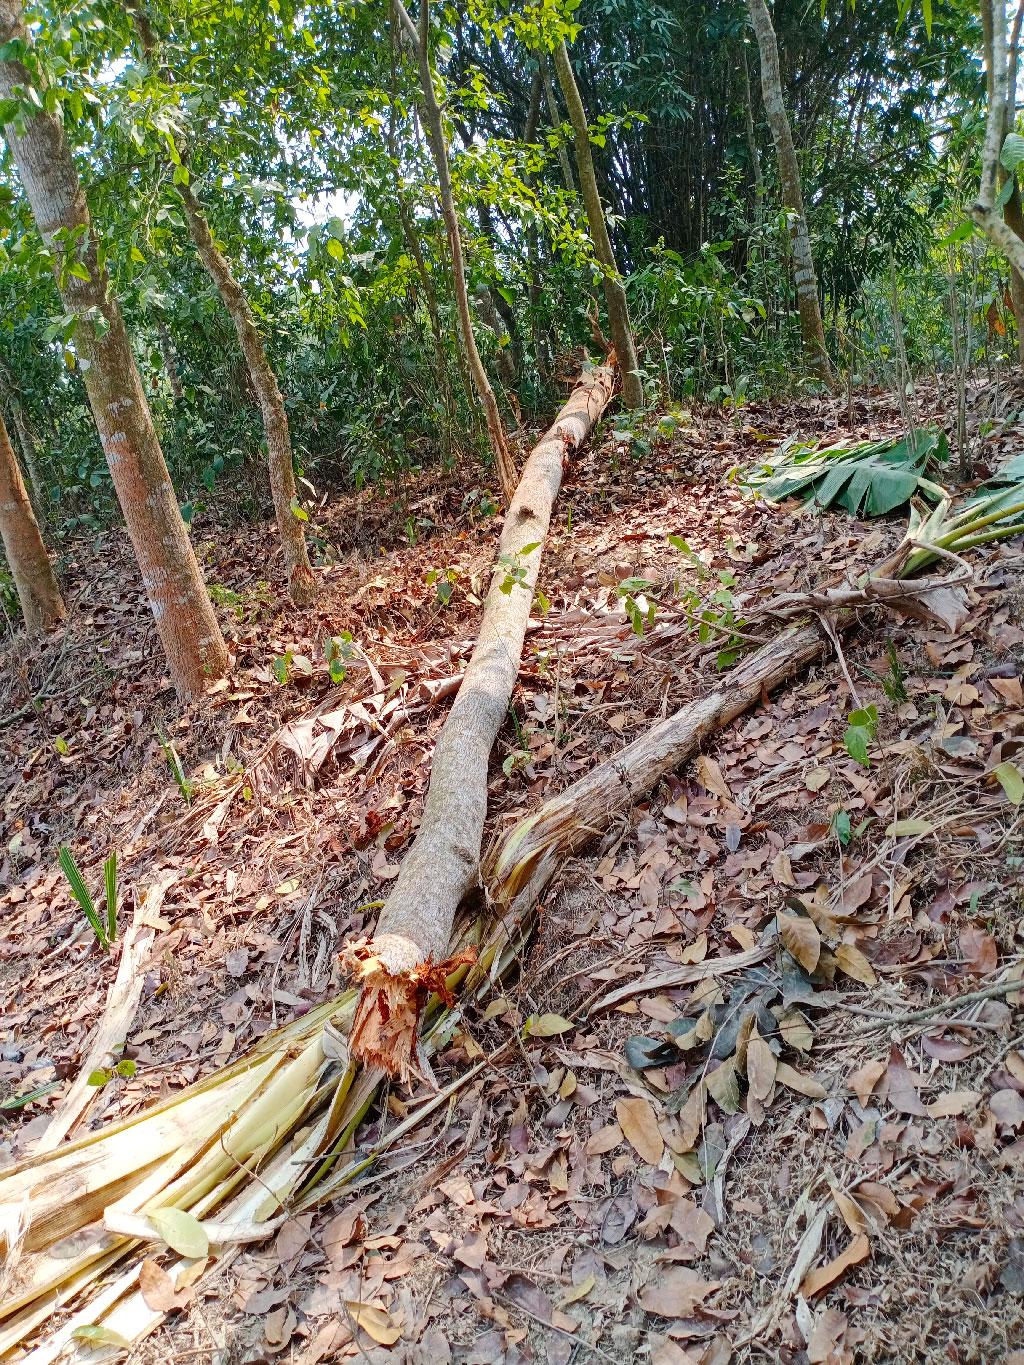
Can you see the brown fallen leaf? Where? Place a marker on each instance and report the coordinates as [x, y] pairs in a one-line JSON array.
[[822, 1276], [955, 1102], [709, 775], [902, 1085], [374, 1321], [864, 1079], [796, 1080], [606, 1139], [852, 962], [1008, 1108], [823, 1344], [853, 1215], [158, 1288], [801, 938], [762, 1065], [639, 1124], [979, 950], [677, 1292]]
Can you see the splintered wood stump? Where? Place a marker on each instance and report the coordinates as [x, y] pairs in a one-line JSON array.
[[406, 958]]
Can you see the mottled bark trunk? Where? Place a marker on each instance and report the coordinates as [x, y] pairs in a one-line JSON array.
[[195, 649], [811, 326], [41, 603], [407, 953], [614, 293], [433, 124], [170, 360], [302, 584]]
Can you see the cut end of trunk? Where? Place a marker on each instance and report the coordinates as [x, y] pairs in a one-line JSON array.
[[386, 1025]]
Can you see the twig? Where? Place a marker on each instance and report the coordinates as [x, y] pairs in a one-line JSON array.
[[928, 1011]]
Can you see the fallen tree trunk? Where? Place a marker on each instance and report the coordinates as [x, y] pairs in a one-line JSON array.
[[406, 957], [293, 1104], [528, 858]]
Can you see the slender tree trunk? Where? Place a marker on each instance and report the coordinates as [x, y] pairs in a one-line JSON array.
[[406, 956], [811, 325], [984, 210], [1013, 212], [188, 628], [41, 603], [614, 293], [755, 163], [556, 123], [302, 584], [170, 360], [28, 443], [433, 124]]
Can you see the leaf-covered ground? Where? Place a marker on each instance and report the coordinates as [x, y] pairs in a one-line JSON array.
[[786, 1159]]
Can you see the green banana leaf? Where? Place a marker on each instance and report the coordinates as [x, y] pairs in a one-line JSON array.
[[868, 479]]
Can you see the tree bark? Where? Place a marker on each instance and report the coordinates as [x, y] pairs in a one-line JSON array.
[[806, 281], [614, 293], [406, 957], [302, 584], [984, 210], [191, 637], [556, 123], [433, 124], [170, 360], [29, 446], [41, 603], [529, 856]]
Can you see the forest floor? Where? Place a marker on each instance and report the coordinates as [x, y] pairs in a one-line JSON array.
[[859, 1197]]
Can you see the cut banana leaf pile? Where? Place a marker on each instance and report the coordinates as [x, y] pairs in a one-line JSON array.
[[869, 478], [214, 1166]]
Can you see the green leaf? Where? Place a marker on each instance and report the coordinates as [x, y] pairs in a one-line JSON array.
[[298, 511], [182, 1232], [1011, 780], [841, 825], [335, 249], [870, 478], [1012, 153], [98, 1077], [126, 1068], [110, 890], [856, 739]]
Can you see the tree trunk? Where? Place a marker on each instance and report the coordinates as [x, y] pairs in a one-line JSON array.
[[811, 325], [405, 958], [614, 293], [41, 603], [195, 649], [556, 123], [29, 446], [984, 210], [434, 127], [529, 856], [170, 360], [302, 584]]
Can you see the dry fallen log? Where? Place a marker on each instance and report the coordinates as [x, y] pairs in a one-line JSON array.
[[528, 858], [406, 958]]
